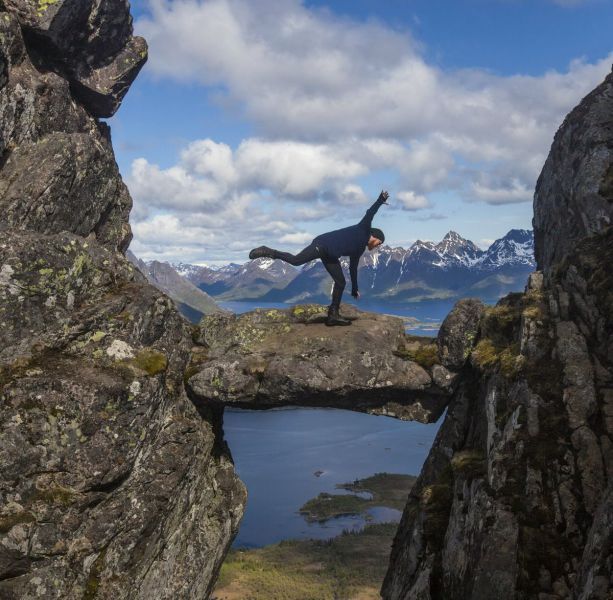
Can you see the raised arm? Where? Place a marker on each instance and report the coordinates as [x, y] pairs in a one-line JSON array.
[[370, 213]]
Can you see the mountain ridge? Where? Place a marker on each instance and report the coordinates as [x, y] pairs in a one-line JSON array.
[[452, 267]]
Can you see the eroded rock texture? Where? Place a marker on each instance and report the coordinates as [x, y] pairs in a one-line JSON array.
[[270, 358], [515, 498], [112, 484]]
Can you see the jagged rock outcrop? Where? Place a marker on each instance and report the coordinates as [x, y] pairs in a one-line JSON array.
[[457, 334], [270, 358], [574, 193], [112, 484], [515, 498], [58, 168], [87, 42]]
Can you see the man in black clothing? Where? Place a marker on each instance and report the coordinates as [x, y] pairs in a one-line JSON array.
[[329, 247]]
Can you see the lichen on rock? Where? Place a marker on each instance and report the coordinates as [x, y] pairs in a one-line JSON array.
[[112, 483]]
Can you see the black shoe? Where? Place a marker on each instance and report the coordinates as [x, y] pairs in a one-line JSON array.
[[335, 319], [261, 252]]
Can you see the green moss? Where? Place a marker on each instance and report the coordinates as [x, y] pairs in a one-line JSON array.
[[97, 336], [425, 355], [93, 581], [43, 5], [303, 312], [151, 361], [9, 521], [80, 264], [56, 495], [469, 463]]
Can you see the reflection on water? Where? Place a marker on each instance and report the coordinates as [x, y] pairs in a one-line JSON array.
[[288, 456]]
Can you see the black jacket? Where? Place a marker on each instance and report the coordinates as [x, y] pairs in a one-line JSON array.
[[349, 241]]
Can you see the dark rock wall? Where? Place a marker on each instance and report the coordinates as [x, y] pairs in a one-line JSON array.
[[574, 193], [516, 497], [112, 485]]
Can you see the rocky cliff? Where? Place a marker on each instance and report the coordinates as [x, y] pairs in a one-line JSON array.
[[515, 499], [270, 358], [115, 483], [112, 483]]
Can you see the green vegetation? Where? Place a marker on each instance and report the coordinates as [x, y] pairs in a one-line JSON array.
[[387, 489], [93, 581], [328, 506], [470, 463], [349, 566], [7, 522], [151, 361], [56, 494], [420, 350]]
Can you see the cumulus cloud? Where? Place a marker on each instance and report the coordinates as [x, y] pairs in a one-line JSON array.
[[218, 201], [511, 193], [334, 100], [300, 73], [411, 201]]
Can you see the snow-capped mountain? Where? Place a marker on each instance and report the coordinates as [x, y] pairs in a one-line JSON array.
[[250, 280], [452, 267], [515, 248]]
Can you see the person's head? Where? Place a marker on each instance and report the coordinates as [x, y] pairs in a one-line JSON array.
[[376, 238]]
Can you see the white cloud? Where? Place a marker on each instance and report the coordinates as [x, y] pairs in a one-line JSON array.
[[412, 201], [302, 75], [511, 193], [292, 168], [296, 238], [333, 101]]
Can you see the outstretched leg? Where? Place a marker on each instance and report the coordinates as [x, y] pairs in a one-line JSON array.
[[311, 252]]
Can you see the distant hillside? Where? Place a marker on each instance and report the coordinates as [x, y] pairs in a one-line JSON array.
[[192, 302], [251, 280]]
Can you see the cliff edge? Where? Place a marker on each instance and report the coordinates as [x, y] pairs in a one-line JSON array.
[[515, 499], [112, 484]]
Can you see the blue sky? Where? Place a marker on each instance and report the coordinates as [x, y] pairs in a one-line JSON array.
[[268, 121]]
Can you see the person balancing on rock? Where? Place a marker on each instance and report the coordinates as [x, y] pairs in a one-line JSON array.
[[329, 247]]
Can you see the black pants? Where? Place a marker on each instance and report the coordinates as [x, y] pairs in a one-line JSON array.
[[333, 266]]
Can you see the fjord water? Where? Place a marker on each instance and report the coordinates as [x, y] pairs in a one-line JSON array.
[[288, 456], [279, 453]]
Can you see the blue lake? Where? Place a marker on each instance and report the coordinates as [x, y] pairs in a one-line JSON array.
[[277, 452]]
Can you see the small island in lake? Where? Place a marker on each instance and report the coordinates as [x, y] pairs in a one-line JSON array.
[[384, 489], [351, 565]]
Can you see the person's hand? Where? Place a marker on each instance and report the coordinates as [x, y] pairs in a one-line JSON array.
[[384, 196], [356, 294]]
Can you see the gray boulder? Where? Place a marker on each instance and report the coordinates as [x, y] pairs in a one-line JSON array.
[[458, 332], [574, 193], [270, 358], [88, 42]]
